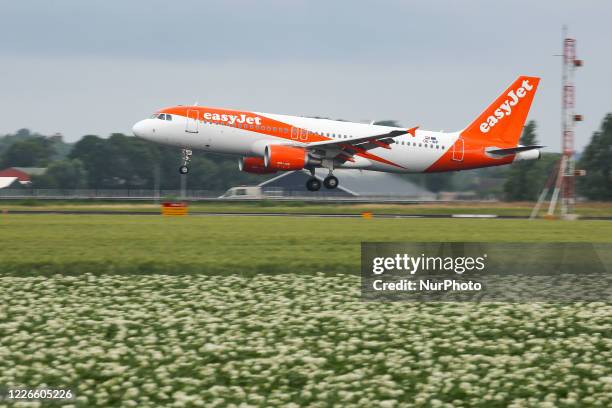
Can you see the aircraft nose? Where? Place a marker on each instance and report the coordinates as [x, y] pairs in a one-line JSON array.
[[140, 129]]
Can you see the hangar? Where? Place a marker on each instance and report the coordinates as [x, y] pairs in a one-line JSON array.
[[23, 174], [354, 183], [11, 182]]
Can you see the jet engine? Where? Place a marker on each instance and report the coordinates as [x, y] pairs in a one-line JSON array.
[[279, 157], [254, 165]]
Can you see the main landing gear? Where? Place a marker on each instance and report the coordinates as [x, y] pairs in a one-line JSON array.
[[330, 182], [313, 183], [184, 169]]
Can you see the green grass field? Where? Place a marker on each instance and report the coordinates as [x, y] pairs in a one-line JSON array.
[[42, 244], [222, 311]]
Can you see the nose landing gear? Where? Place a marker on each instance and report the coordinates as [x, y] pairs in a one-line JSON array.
[[186, 154]]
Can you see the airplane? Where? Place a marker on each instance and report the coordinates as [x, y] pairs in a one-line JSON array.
[[268, 143]]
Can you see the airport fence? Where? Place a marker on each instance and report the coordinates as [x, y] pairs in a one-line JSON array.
[[106, 194], [195, 195]]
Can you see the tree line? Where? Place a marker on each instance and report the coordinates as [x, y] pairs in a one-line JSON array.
[[116, 162], [121, 161]]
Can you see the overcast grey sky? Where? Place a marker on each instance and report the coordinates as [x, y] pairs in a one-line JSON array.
[[96, 67]]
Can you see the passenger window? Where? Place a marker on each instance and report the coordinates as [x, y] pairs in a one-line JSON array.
[[168, 117]]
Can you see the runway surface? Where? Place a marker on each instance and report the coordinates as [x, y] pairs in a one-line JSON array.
[[263, 214]]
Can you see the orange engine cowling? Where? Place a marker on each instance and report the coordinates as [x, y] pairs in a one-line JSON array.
[[279, 157], [254, 165]]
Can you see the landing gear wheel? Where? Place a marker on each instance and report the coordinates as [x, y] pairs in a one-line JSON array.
[[313, 184], [330, 182], [186, 157]]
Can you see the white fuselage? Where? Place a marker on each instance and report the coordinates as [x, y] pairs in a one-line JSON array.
[[408, 154], [270, 142]]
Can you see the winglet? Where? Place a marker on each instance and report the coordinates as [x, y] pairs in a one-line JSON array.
[[412, 131]]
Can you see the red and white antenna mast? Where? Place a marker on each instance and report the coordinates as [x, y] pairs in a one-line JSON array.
[[566, 170]]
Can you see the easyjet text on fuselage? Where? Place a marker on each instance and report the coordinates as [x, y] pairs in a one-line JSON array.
[[231, 119]]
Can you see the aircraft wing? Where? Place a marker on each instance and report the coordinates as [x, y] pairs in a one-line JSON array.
[[348, 147]]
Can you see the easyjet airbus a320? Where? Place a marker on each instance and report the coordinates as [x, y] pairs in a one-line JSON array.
[[268, 143]]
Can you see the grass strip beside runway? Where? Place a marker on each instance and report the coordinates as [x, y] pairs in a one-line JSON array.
[[75, 244]]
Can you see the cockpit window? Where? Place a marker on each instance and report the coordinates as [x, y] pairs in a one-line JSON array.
[[162, 116]]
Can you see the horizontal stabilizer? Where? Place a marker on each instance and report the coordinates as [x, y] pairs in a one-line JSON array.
[[513, 150]]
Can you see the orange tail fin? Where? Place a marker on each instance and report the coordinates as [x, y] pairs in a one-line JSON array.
[[502, 122]]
